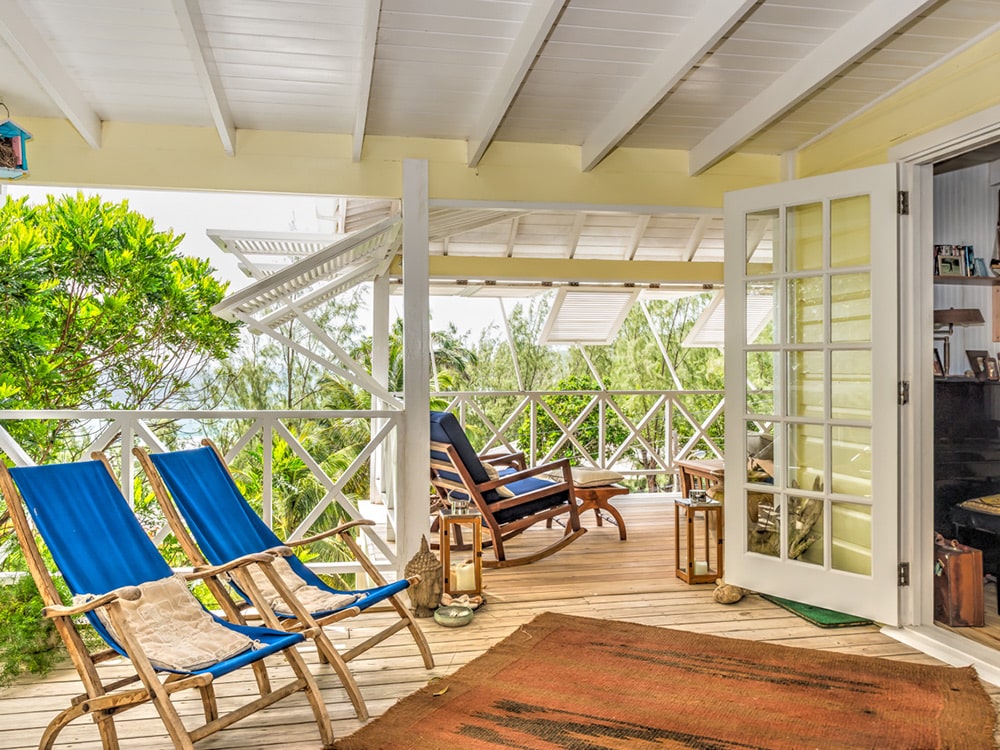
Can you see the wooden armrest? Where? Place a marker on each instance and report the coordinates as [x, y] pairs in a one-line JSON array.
[[517, 460], [210, 571], [131, 593], [330, 532]]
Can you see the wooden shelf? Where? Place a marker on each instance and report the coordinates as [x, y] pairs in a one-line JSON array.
[[968, 280]]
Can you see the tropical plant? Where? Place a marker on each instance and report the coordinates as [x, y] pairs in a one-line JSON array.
[[28, 640], [98, 309]]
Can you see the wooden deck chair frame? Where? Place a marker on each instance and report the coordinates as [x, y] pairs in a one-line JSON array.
[[450, 474], [104, 700], [303, 620]]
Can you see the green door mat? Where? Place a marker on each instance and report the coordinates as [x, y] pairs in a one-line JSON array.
[[824, 618]]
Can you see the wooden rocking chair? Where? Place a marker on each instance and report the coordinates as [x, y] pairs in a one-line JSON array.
[[111, 566], [511, 500]]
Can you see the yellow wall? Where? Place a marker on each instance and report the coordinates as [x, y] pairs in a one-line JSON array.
[[964, 85], [136, 156]]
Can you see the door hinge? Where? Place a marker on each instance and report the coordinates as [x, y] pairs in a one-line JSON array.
[[903, 578], [903, 202], [904, 392]]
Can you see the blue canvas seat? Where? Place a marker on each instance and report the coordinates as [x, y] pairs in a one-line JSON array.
[[512, 499], [107, 560], [213, 521]]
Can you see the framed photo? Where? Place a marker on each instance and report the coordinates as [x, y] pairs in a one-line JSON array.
[[938, 367], [992, 372], [950, 265], [977, 361]]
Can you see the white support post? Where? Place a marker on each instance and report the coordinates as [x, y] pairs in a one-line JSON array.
[[380, 371], [414, 443]]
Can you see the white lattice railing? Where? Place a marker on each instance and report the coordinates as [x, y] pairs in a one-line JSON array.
[[117, 432], [607, 430]]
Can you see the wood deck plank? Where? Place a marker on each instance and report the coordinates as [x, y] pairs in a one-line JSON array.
[[596, 576]]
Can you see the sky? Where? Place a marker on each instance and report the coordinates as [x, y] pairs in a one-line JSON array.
[[193, 214]]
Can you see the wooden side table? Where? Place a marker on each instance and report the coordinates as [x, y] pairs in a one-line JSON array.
[[457, 581], [697, 570]]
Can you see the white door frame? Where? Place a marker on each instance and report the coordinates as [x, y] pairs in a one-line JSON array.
[[916, 157]]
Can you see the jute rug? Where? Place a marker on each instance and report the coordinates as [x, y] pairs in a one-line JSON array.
[[562, 682]]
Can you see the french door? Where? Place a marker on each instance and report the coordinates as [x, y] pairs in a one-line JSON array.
[[812, 515]]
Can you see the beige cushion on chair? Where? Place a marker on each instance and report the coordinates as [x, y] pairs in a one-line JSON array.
[[172, 628], [313, 598], [493, 474]]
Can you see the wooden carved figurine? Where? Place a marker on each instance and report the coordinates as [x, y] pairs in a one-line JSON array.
[[425, 597]]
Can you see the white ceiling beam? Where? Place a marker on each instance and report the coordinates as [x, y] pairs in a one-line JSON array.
[[20, 34], [697, 235], [638, 232], [574, 233], [193, 28], [858, 36], [542, 16], [684, 51], [373, 9], [512, 236]]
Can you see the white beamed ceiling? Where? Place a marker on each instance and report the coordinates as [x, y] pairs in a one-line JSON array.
[[596, 74], [299, 65]]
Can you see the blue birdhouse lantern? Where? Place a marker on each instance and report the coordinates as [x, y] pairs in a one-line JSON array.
[[13, 150]]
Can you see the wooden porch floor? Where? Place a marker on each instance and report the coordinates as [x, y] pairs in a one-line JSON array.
[[596, 576]]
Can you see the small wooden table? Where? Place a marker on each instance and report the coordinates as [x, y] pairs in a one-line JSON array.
[[700, 474], [597, 499]]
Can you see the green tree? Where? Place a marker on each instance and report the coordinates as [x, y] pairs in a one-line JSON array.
[[98, 309]]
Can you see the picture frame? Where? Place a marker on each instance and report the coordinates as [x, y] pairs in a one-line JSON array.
[[992, 371], [950, 265], [938, 367], [977, 362]]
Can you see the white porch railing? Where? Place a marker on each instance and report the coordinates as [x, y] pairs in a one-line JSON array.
[[609, 429], [117, 432], [638, 433]]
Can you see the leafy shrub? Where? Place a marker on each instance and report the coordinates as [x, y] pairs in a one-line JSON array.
[[28, 640]]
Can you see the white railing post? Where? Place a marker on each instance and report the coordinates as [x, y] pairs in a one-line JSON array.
[[412, 506]]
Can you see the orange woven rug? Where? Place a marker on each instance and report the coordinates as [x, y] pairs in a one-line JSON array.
[[573, 683]]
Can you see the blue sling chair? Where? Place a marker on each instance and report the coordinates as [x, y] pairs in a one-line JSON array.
[[110, 565], [511, 500], [213, 522]]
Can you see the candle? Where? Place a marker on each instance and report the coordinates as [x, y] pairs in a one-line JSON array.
[[700, 567], [463, 576]]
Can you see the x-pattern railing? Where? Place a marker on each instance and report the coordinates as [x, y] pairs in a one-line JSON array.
[[650, 427], [117, 432]]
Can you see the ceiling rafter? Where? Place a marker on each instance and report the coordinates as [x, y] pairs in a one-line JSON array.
[[684, 51], [638, 232], [373, 9], [859, 35], [697, 235], [20, 34], [512, 236], [193, 28], [542, 16], [574, 233]]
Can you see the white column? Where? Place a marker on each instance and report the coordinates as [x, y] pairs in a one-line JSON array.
[[380, 371], [414, 446]]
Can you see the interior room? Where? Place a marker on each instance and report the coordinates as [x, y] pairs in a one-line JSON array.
[[966, 403]]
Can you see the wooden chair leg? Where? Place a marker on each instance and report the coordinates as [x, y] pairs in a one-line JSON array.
[[313, 695], [329, 654]]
